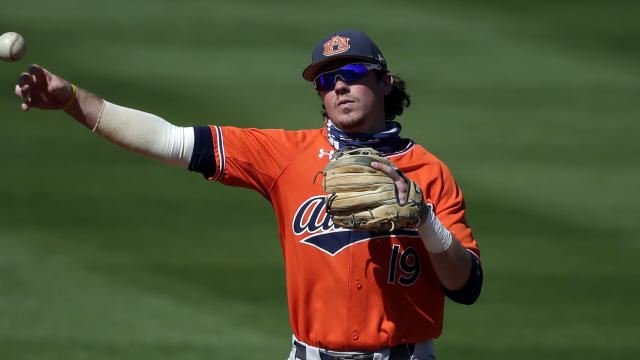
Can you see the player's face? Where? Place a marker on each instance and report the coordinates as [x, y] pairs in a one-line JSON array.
[[358, 107]]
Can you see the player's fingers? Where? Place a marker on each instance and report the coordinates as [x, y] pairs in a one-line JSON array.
[[387, 170], [21, 91], [50, 82], [39, 75], [25, 79], [26, 99], [401, 184], [38, 71]]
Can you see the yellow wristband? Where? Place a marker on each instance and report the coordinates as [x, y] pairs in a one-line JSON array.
[[72, 99]]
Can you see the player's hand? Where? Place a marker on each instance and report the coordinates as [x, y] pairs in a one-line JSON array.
[[38, 88], [401, 184]]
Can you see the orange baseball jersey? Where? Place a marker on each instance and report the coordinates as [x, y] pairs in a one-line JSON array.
[[347, 290]]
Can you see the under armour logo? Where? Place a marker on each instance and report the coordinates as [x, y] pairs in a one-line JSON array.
[[327, 154]]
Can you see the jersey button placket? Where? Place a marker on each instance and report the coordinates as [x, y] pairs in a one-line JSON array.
[[356, 321], [354, 334]]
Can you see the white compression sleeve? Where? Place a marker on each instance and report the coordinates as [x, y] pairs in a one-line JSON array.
[[437, 238], [146, 134]]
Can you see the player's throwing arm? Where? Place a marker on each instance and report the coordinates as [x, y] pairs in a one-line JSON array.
[[131, 129]]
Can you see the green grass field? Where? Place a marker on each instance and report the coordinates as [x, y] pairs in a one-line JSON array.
[[535, 107]]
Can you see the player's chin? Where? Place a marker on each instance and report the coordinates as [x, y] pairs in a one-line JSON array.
[[348, 123], [346, 117]]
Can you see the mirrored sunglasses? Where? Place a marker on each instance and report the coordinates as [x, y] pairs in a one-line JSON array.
[[349, 74]]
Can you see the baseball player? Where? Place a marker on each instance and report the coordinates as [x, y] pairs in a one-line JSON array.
[[352, 294]]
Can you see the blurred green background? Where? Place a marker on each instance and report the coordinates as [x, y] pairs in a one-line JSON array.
[[534, 105]]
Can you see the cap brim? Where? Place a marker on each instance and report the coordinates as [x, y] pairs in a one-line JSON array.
[[312, 71]]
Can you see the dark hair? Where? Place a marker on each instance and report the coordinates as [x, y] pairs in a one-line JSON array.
[[394, 102]]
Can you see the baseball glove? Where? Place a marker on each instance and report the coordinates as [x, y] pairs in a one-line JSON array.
[[363, 198]]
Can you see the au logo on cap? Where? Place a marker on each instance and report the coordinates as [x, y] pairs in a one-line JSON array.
[[336, 45]]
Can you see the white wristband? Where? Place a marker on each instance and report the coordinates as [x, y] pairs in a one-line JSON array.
[[436, 237], [146, 134]]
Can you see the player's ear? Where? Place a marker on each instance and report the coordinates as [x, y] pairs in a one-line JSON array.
[[387, 81]]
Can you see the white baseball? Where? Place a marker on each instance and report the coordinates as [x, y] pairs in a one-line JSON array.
[[12, 46]]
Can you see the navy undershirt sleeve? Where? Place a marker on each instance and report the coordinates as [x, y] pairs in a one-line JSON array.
[[471, 289], [203, 160]]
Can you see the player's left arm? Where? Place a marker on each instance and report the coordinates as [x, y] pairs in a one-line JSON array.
[[458, 269]]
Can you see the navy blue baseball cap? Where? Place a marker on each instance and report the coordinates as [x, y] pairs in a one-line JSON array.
[[346, 44]]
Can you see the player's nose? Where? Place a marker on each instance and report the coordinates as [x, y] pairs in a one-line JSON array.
[[341, 86]]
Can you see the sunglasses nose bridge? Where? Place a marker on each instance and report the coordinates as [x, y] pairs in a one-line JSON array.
[[337, 78]]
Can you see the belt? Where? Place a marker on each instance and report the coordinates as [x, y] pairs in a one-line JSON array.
[[399, 352]]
